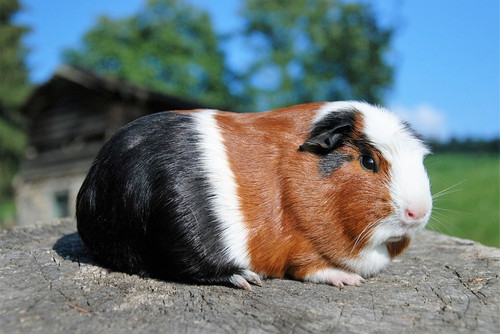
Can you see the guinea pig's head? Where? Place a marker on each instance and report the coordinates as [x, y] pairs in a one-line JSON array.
[[377, 188]]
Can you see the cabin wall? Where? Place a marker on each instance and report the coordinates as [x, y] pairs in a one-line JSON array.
[[44, 199], [72, 116]]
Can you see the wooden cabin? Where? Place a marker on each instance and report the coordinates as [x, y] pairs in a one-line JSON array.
[[71, 116]]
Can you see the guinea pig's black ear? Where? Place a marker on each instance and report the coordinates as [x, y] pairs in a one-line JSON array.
[[326, 141]]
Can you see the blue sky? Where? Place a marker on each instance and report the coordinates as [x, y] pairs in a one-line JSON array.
[[446, 54]]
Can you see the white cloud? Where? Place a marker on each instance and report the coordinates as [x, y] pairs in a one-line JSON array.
[[427, 120]]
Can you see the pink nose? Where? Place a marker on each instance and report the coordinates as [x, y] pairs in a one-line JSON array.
[[412, 214]]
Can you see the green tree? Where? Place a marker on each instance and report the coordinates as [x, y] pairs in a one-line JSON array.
[[315, 50], [14, 87], [168, 46]]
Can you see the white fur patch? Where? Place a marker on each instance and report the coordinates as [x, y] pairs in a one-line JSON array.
[[224, 200], [370, 261]]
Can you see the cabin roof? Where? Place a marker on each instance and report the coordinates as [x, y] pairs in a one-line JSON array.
[[120, 89]]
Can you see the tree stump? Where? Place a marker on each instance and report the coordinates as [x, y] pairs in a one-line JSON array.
[[49, 284]]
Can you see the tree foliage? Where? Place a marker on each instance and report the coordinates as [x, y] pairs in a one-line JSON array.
[[14, 87], [304, 50], [316, 50], [169, 46]]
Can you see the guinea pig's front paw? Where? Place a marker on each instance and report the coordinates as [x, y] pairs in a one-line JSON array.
[[336, 277]]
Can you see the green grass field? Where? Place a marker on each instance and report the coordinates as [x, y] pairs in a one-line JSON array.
[[469, 206]]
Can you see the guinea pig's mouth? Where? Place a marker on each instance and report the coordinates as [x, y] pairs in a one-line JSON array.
[[395, 230], [404, 232], [395, 239]]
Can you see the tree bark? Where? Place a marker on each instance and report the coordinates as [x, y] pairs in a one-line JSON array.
[[49, 284]]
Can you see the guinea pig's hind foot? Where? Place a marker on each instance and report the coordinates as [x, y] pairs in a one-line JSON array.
[[336, 277], [241, 280]]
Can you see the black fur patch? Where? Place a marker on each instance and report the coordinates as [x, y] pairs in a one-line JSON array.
[[334, 119], [144, 205], [331, 159]]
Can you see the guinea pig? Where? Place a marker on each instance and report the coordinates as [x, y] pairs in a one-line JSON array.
[[321, 192]]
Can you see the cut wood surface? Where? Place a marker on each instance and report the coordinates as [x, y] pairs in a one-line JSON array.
[[49, 284]]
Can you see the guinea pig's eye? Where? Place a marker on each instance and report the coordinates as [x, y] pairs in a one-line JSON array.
[[368, 163]]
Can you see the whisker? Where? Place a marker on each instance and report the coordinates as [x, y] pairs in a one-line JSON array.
[[362, 236], [439, 226], [437, 223], [444, 193], [447, 190], [442, 210], [438, 215]]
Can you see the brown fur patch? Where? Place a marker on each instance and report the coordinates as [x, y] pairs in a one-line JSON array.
[[258, 147], [396, 248]]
